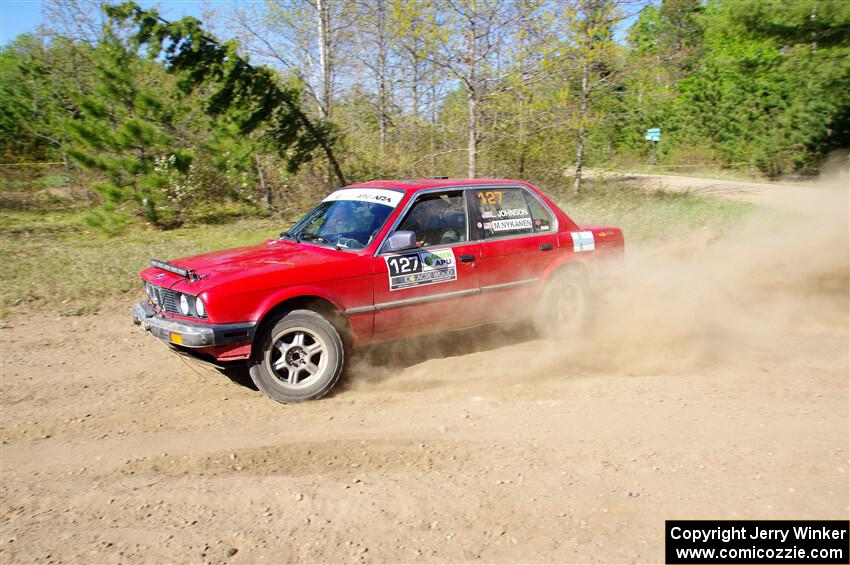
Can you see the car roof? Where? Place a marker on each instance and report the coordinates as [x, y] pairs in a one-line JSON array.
[[412, 185]]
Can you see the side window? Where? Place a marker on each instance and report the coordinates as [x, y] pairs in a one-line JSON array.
[[437, 219], [542, 219], [504, 211]]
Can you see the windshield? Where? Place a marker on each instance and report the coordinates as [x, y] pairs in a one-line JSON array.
[[347, 219]]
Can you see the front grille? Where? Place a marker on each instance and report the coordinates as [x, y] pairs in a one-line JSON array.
[[165, 300], [170, 301]]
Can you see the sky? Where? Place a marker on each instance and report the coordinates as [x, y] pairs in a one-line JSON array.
[[22, 16], [18, 17]]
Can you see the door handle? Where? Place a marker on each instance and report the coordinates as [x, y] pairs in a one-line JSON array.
[[466, 258], [546, 247]]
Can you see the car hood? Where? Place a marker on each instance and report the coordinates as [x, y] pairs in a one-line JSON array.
[[272, 257], [271, 253]]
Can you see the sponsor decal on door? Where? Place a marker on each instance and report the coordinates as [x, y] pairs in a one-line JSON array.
[[420, 268]]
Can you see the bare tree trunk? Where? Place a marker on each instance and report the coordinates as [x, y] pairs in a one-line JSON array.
[[585, 101], [415, 89], [472, 127], [325, 62], [433, 129], [383, 97], [382, 126], [415, 60], [471, 103], [522, 136], [266, 190]]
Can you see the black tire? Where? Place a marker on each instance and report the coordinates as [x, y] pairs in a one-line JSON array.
[[288, 368], [562, 309]]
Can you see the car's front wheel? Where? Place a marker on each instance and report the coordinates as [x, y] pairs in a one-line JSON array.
[[299, 358]]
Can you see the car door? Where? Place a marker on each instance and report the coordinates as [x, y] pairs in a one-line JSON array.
[[518, 243], [434, 285]]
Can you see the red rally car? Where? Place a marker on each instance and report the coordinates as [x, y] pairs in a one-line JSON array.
[[376, 261]]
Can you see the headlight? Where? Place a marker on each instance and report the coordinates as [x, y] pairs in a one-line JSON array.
[[199, 307], [153, 293], [184, 305]]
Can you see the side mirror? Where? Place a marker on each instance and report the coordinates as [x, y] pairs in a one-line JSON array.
[[400, 240]]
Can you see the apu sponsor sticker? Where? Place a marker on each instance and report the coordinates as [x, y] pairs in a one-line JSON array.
[[421, 268], [583, 241], [374, 195]]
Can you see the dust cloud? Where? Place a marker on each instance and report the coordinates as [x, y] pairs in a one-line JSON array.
[[736, 298]]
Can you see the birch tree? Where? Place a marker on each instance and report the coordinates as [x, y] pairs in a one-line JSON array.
[[590, 26], [373, 42], [308, 38], [418, 31], [471, 54]]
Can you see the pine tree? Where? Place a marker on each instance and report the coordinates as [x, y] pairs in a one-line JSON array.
[[252, 97], [120, 131]]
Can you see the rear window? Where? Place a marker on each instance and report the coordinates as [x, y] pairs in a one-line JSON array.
[[504, 212], [541, 218]]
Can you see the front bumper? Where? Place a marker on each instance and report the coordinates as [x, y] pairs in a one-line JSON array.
[[192, 334]]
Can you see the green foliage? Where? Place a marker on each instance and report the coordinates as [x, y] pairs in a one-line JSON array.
[[753, 82], [120, 130], [17, 110], [36, 81], [771, 90], [818, 23], [166, 123], [248, 96]]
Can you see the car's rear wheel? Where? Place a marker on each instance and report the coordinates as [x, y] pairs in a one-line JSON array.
[[299, 358], [562, 308]]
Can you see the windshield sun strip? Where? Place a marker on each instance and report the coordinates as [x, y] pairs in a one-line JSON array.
[[297, 233]]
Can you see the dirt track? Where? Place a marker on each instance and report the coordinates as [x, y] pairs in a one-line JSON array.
[[723, 188], [716, 388]]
